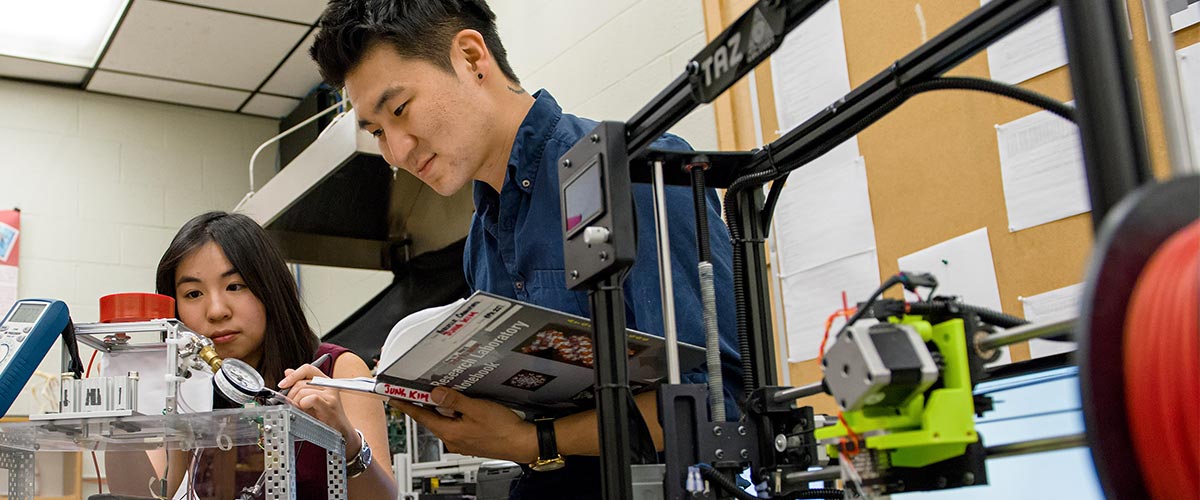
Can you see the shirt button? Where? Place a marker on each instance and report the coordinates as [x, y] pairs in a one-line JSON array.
[[525, 183], [520, 285]]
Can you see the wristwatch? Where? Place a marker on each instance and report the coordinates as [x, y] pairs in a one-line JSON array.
[[362, 461], [548, 457]]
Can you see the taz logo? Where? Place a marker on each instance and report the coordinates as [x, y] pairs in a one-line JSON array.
[[730, 55], [727, 56]]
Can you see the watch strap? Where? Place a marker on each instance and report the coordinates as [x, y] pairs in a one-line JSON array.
[[548, 457], [547, 443]]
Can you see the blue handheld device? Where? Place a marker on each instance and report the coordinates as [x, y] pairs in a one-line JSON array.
[[26, 334]]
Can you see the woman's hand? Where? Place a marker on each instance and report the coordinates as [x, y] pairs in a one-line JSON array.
[[323, 403]]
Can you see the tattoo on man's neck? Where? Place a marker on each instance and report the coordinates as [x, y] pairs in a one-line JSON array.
[[516, 90]]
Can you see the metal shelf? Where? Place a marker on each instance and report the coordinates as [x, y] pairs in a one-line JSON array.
[[276, 428]]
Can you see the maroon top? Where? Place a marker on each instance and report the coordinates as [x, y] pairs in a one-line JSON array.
[[311, 478]]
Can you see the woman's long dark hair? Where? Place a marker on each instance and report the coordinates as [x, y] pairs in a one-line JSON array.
[[288, 341]]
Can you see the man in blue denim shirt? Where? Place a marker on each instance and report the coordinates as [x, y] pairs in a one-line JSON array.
[[431, 81]]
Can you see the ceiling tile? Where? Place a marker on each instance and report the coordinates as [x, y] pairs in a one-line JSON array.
[[269, 105], [166, 90], [298, 75], [15, 67], [301, 11], [193, 44]]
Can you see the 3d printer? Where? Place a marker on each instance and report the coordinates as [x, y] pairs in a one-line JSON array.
[[904, 385]]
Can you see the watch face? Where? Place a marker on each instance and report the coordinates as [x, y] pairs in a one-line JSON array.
[[364, 454]]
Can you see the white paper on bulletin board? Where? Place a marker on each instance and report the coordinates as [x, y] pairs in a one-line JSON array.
[[824, 214], [1189, 82], [1183, 13], [809, 73], [964, 268], [1035, 48], [809, 70], [1054, 305], [811, 295], [1041, 166]]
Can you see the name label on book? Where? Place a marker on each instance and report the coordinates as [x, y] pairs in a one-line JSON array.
[[406, 393]]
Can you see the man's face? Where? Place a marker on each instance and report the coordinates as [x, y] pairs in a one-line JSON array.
[[428, 121]]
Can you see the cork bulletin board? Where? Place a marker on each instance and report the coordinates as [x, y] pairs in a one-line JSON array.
[[933, 167]]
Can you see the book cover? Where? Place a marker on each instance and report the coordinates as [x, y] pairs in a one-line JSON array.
[[523, 356]]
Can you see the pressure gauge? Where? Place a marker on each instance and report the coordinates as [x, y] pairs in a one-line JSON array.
[[238, 381]]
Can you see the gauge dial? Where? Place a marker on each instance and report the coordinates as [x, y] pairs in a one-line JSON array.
[[238, 381]]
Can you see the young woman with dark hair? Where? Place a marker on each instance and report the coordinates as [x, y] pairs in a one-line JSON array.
[[231, 285]]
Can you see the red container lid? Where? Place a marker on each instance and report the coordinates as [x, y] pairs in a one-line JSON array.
[[134, 306]]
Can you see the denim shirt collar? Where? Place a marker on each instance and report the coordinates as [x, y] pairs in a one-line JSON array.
[[525, 159]]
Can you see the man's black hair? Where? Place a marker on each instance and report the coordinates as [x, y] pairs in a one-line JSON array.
[[420, 29]]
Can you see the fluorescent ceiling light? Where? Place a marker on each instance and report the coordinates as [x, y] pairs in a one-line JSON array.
[[59, 31]]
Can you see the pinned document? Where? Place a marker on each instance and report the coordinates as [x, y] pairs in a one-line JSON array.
[[809, 70], [1055, 305], [824, 214], [1031, 50], [1183, 13], [1041, 164], [1189, 82], [813, 294]]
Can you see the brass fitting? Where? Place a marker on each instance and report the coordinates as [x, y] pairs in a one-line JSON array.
[[208, 354]]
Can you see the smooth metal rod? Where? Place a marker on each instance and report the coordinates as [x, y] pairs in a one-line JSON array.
[[1036, 446], [664, 275], [826, 474], [1170, 97], [799, 392], [1027, 332]]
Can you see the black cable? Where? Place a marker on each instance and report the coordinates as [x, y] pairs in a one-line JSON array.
[[711, 474], [732, 220], [75, 364], [724, 483], [739, 303], [862, 310], [828, 493], [768, 211], [988, 316], [999, 88], [701, 203]]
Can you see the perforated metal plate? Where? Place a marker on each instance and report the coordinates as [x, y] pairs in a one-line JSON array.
[[20, 473], [279, 457]]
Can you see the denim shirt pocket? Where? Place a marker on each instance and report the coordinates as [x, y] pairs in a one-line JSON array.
[[548, 288]]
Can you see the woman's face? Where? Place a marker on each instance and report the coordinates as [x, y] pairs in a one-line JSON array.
[[213, 300]]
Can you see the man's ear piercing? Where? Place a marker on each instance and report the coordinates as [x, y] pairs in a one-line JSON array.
[[480, 75]]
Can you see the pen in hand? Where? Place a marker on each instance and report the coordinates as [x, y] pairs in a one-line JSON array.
[[317, 363]]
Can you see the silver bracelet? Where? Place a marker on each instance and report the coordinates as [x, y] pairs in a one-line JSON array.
[[362, 461]]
